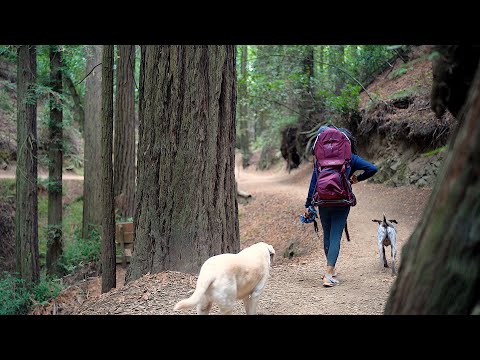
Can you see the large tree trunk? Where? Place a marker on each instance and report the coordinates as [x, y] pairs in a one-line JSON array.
[[243, 120], [440, 269], [124, 142], [55, 160], [186, 205], [107, 208], [93, 140], [79, 114], [26, 214]]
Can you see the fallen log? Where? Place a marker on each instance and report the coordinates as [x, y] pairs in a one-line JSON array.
[[244, 194]]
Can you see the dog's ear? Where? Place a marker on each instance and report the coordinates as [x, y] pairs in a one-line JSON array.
[[377, 221], [271, 249]]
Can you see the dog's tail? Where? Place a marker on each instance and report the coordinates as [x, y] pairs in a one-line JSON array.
[[194, 299]]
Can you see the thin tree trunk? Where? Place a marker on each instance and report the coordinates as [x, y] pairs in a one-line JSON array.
[[93, 140], [107, 208], [320, 62], [124, 141], [440, 269], [26, 214], [340, 60], [186, 204], [77, 102], [55, 160]]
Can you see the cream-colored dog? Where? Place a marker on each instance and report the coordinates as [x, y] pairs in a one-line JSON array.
[[226, 278]]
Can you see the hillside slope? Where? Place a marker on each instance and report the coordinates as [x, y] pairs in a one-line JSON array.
[[397, 129]]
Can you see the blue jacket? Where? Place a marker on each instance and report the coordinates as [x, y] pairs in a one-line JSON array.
[[357, 164]]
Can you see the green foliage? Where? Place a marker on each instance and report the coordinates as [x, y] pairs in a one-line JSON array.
[[5, 103], [74, 64], [9, 53], [81, 251], [409, 91], [75, 251], [434, 55], [435, 151], [7, 189], [46, 289], [16, 298], [398, 72], [74, 161], [281, 89], [345, 103], [78, 251]]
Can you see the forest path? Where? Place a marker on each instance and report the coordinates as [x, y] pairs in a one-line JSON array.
[[295, 285], [10, 173], [364, 285]]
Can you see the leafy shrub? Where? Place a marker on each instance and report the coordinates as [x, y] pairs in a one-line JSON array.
[[47, 289], [81, 251], [398, 72], [347, 102], [14, 296]]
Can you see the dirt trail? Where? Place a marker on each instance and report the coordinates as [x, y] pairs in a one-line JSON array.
[[10, 173], [364, 285], [295, 285]]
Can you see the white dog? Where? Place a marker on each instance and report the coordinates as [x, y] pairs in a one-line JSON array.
[[387, 235], [226, 278]]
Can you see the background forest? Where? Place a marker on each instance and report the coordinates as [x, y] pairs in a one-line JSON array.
[[87, 96]]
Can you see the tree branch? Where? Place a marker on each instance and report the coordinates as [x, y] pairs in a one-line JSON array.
[[88, 74]]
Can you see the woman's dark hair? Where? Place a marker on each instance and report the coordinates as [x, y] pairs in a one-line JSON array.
[[347, 132]]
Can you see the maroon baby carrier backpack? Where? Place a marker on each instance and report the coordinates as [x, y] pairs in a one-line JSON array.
[[333, 154]]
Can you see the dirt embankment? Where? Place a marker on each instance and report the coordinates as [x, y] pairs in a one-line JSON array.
[[398, 130]]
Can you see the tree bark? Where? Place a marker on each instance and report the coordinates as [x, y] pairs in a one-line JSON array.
[[319, 63], [93, 140], [55, 160], [77, 102], [107, 208], [296, 149], [186, 204], [339, 61], [440, 269], [26, 214], [243, 120], [124, 141]]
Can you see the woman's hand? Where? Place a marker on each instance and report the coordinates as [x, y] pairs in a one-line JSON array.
[[354, 179]]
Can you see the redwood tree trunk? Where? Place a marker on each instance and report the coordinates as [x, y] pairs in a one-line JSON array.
[[93, 140], [26, 214], [186, 205], [55, 160], [440, 269], [124, 142], [107, 209]]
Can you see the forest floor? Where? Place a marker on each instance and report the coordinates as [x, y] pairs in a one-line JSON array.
[[295, 284]]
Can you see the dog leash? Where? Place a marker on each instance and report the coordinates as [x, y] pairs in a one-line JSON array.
[[346, 231]]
